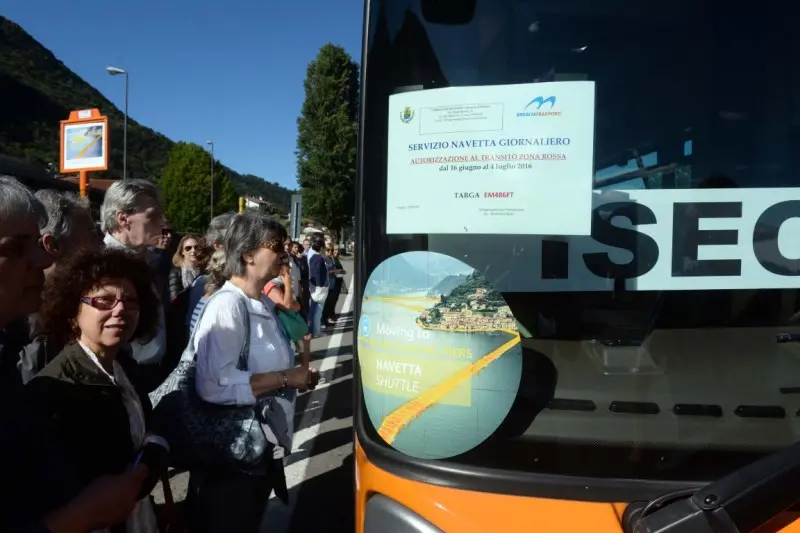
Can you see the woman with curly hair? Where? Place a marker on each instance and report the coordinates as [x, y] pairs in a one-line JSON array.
[[94, 305]]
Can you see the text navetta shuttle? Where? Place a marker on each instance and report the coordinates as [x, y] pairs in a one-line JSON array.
[[578, 276]]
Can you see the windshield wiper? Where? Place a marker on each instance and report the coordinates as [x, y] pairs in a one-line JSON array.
[[737, 503], [783, 338]]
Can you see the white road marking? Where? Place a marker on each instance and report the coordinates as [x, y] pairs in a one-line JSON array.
[[278, 516], [311, 419], [333, 382]]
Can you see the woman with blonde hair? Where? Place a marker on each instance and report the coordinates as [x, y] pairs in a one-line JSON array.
[[189, 261], [214, 279]]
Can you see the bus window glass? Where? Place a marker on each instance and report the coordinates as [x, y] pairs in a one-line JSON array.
[[606, 178], [649, 346]]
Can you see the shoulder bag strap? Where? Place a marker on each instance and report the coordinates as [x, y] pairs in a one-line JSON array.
[[245, 351], [199, 318]]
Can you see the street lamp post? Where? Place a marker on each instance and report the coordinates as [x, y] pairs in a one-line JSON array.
[[211, 145], [114, 71]]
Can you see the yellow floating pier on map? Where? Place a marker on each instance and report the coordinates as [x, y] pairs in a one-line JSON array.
[[401, 417]]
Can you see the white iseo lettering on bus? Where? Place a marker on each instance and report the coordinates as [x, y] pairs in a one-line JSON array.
[[651, 240]]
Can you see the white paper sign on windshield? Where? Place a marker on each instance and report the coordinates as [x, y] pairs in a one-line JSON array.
[[512, 159]]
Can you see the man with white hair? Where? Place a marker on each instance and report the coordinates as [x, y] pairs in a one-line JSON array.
[[41, 493], [132, 214], [132, 217], [22, 258], [68, 225]]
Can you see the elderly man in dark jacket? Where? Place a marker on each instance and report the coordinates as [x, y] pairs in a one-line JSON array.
[[40, 492]]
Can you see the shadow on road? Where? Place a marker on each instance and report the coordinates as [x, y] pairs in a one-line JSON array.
[[327, 502], [320, 470], [326, 497]]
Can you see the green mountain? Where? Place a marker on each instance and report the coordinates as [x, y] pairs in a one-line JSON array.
[[37, 91], [447, 285], [463, 293]]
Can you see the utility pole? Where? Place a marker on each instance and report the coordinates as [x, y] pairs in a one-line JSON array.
[[211, 144], [114, 71]]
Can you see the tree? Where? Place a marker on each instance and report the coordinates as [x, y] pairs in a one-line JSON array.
[[326, 138], [185, 183]]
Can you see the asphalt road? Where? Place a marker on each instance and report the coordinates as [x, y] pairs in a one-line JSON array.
[[319, 473]]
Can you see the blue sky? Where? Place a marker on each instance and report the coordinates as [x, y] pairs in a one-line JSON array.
[[231, 72]]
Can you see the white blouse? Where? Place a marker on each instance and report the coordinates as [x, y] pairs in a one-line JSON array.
[[218, 340]]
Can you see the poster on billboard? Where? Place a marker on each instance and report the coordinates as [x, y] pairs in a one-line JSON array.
[[500, 159], [84, 142]]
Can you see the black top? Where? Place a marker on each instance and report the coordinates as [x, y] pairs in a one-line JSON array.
[[302, 264], [37, 476], [87, 411], [175, 283], [161, 263], [36, 355], [318, 271]]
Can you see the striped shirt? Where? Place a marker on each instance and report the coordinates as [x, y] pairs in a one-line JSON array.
[[196, 313]]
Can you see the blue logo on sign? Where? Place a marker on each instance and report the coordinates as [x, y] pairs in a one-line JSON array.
[[365, 329], [540, 101]]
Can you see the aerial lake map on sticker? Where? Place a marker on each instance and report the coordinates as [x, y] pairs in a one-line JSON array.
[[440, 355]]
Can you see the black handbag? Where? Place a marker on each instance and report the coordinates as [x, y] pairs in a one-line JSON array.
[[205, 435]]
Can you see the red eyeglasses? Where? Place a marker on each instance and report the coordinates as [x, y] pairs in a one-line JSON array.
[[107, 303]]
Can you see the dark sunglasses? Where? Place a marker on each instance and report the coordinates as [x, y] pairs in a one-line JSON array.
[[189, 248], [107, 303]]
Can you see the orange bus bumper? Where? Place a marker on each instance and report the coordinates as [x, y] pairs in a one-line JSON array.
[[460, 511]]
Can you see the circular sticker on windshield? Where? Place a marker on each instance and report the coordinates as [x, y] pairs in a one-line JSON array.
[[440, 355]]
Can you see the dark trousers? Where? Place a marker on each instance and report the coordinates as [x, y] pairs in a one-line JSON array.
[[226, 502], [305, 295], [329, 310]]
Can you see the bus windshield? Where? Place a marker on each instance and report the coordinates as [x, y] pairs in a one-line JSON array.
[[649, 326]]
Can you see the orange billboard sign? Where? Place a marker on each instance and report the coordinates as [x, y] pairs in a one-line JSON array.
[[84, 142]]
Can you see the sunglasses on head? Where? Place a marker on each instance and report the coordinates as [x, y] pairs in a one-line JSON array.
[[275, 246]]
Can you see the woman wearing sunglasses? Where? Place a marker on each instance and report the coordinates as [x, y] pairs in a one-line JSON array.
[[238, 323], [189, 260], [94, 305]]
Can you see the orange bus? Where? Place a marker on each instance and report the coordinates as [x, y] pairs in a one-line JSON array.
[[578, 266]]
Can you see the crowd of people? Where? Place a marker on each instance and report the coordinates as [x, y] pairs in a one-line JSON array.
[[93, 324]]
